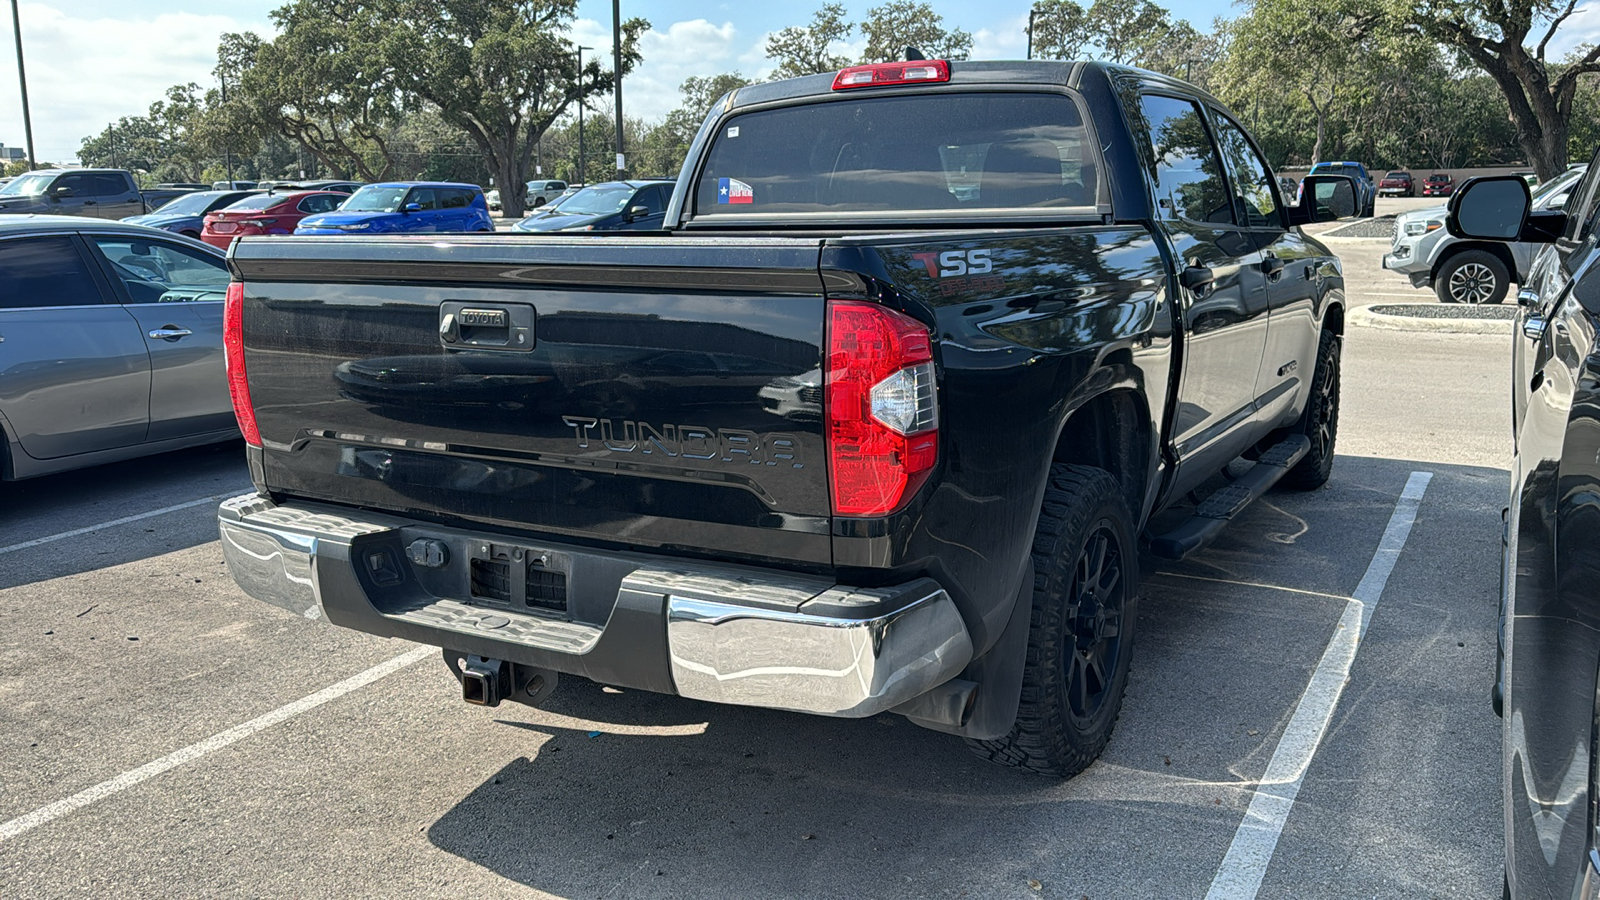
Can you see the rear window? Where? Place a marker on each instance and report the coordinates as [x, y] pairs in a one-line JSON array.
[[262, 201], [920, 152]]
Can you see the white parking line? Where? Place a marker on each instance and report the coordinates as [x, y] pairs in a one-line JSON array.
[[128, 779], [50, 539], [1239, 876]]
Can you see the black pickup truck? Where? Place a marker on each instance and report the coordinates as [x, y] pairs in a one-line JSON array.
[[880, 421]]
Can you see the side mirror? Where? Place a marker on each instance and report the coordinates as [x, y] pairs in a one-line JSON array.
[[1324, 198], [411, 207], [1499, 208], [638, 212], [60, 192]]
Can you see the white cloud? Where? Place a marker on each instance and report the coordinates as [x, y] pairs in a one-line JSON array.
[[1582, 28], [1008, 41], [671, 55], [84, 72]]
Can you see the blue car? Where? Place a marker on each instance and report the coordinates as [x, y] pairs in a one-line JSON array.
[[405, 207], [612, 206], [185, 214]]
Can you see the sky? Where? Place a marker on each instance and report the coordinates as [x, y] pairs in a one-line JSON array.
[[91, 62]]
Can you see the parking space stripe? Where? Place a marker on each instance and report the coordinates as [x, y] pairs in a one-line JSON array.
[[50, 539], [1245, 865], [128, 779]]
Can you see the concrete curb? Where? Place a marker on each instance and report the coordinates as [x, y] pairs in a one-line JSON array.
[[1363, 315]]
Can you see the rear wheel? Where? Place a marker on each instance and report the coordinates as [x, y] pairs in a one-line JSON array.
[[1472, 276], [1086, 583], [1320, 421]]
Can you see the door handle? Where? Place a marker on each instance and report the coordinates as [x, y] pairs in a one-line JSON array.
[[1197, 279], [89, 203], [170, 333], [1533, 329]]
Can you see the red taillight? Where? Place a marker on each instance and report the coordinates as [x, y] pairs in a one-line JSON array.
[[238, 383], [882, 409], [880, 74], [259, 223]]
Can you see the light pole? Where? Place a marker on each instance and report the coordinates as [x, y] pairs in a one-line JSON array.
[[227, 151], [22, 78], [1032, 11], [580, 112], [616, 69]]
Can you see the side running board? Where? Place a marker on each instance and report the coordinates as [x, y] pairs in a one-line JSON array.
[[1214, 514]]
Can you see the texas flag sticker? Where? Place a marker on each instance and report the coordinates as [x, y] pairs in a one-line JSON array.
[[732, 190]]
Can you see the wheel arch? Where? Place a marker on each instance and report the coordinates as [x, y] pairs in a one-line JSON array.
[[1121, 440]]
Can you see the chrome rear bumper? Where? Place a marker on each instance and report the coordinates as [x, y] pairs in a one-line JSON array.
[[723, 634]]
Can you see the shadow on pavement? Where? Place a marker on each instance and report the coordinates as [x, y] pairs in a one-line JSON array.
[[729, 802]]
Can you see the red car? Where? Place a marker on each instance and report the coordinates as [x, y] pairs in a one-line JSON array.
[[1438, 185], [266, 214], [1398, 184]]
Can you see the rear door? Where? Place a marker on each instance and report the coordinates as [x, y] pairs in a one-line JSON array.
[[74, 372], [116, 196], [175, 294], [1225, 322], [455, 209]]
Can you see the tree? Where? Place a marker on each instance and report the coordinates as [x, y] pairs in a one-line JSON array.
[[1133, 32], [898, 24], [664, 146], [803, 50], [503, 71], [1061, 30], [323, 82], [1494, 35]]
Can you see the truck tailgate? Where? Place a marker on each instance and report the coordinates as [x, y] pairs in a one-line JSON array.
[[642, 392]]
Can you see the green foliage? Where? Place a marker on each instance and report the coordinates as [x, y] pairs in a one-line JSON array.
[[803, 50], [898, 24], [1136, 32]]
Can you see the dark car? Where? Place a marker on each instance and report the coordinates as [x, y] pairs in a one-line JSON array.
[[1366, 189], [611, 206], [185, 214], [113, 343], [1550, 605], [102, 193], [1438, 184], [833, 436], [1399, 184], [405, 207]]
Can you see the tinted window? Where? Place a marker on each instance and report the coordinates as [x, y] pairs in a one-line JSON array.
[[454, 199], [423, 197], [320, 203], [110, 184], [1579, 216], [1252, 181], [652, 199], [158, 272], [80, 185], [1188, 171], [46, 271], [930, 151]]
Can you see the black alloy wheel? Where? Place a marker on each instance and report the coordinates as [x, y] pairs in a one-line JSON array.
[[1094, 620], [1320, 421]]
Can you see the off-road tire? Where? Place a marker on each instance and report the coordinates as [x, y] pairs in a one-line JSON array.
[[1320, 420], [1060, 730], [1472, 276]]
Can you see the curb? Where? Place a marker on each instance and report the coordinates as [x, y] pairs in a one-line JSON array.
[[1363, 315]]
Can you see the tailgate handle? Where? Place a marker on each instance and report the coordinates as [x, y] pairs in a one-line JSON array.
[[486, 326]]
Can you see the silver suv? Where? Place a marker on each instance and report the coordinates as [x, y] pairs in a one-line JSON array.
[[1461, 270]]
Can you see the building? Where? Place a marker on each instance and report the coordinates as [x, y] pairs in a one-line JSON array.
[[11, 154]]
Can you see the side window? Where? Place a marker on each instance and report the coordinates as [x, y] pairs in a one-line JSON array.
[[1252, 180], [455, 199], [652, 199], [158, 272], [1581, 219], [80, 185], [423, 197], [110, 184], [319, 203], [1188, 170], [45, 271]]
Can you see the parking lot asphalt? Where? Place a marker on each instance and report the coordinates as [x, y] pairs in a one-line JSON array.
[[128, 643]]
